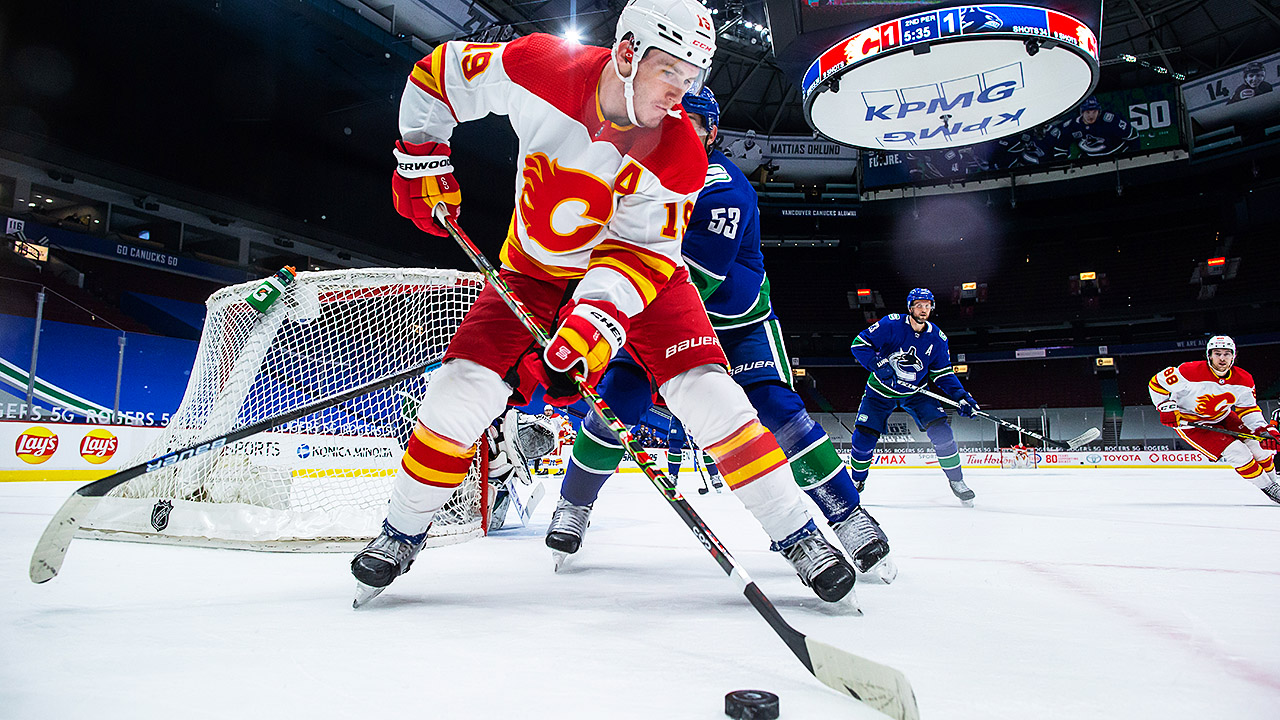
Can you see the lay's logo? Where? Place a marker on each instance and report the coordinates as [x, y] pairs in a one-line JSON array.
[[99, 446], [36, 445]]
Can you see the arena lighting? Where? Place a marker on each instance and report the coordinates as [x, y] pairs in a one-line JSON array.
[[573, 35], [1105, 362], [864, 293], [961, 370], [1084, 276], [969, 286], [1214, 262], [799, 372]]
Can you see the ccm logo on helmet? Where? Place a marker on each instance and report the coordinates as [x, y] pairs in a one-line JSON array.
[[692, 343]]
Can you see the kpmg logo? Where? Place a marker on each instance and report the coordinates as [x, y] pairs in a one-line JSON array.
[[953, 111]]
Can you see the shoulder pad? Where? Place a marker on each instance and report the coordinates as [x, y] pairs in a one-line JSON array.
[[895, 316]]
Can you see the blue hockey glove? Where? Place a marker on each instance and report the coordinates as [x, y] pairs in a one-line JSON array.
[[968, 406], [885, 374]]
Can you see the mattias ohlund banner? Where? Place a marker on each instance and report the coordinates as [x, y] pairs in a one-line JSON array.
[[1123, 123]]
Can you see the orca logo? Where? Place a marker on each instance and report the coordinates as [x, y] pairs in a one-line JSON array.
[[979, 20], [304, 451], [907, 364]]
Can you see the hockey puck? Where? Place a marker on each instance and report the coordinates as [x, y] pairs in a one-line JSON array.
[[751, 705]]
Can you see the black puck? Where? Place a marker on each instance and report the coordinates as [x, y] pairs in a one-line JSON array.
[[751, 705]]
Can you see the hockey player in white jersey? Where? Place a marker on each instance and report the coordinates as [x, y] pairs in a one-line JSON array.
[[1202, 398], [608, 171]]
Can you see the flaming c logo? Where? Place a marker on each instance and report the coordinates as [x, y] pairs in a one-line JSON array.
[[36, 445], [98, 446], [563, 209], [1211, 405]]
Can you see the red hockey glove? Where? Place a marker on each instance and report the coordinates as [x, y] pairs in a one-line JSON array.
[[1169, 415], [591, 332], [423, 178], [1272, 436]]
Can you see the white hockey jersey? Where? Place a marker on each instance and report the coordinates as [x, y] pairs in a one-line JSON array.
[[603, 202], [1199, 395]]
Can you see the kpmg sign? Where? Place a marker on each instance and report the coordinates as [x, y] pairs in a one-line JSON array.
[[951, 76]]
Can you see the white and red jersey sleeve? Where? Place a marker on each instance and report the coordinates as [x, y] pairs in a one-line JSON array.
[[604, 203], [1201, 396]]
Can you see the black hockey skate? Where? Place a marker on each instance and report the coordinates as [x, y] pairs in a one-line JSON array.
[[867, 544], [819, 565], [384, 559], [963, 492], [568, 524], [1273, 491]]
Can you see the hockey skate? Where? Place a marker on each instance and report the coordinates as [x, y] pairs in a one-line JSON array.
[[963, 492], [820, 566], [1273, 491], [384, 559], [568, 524], [867, 544]]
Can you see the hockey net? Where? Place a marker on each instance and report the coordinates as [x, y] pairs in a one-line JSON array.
[[1019, 457], [321, 482]]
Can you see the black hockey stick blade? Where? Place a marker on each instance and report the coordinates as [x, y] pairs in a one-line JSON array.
[[51, 550]]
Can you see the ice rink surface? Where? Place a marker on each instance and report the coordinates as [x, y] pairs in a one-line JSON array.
[[1063, 594]]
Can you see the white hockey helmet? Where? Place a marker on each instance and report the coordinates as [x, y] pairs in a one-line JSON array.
[[548, 410], [682, 28], [1220, 342]]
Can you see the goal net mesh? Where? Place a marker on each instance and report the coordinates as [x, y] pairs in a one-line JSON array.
[[321, 481]]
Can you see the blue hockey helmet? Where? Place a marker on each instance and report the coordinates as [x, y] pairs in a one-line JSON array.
[[1090, 104], [920, 294], [703, 103]]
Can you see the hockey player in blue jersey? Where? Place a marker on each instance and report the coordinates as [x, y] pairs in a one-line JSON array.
[[1096, 131], [722, 249], [903, 353]]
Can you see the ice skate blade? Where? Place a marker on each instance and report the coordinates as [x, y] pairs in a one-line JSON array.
[[967, 503], [886, 571], [846, 606], [365, 593], [560, 558]]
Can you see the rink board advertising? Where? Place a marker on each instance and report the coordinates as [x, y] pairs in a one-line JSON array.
[[1131, 122], [946, 75]]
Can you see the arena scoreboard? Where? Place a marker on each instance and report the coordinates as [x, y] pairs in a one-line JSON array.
[[928, 74]]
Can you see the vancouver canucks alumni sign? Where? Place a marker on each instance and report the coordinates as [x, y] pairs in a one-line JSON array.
[[947, 75]]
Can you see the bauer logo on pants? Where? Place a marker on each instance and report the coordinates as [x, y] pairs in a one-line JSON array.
[[36, 444], [160, 514]]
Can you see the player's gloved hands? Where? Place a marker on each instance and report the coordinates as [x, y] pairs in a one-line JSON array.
[[1169, 416], [423, 178], [591, 332], [1272, 436], [968, 406], [885, 373]]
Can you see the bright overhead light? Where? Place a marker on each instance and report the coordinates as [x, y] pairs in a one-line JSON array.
[[572, 35]]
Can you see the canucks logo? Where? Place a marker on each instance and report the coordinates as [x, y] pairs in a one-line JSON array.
[[907, 364], [977, 19]]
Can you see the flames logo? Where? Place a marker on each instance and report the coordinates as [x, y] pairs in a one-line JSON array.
[[1211, 406], [563, 209]]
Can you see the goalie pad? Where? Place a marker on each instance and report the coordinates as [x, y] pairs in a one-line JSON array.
[[511, 443]]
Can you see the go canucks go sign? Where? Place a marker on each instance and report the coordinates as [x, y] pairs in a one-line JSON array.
[[974, 73]]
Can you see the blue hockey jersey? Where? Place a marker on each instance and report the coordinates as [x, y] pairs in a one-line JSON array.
[[722, 248], [916, 357]]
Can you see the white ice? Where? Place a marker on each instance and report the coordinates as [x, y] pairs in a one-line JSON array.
[[1063, 594]]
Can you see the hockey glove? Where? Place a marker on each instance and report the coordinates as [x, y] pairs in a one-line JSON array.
[[423, 178], [968, 406], [885, 373], [1169, 415], [591, 332], [1272, 435]]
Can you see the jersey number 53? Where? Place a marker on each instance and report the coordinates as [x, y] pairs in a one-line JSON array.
[[724, 221]]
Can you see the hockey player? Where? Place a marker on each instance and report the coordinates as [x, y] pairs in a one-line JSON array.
[[609, 168], [1254, 83], [722, 250], [902, 353], [1096, 131], [1215, 393]]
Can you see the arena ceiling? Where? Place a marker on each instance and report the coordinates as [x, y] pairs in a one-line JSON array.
[[290, 105]]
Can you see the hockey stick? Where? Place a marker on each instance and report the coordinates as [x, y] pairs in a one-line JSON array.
[[1232, 433], [1083, 438], [879, 686], [51, 550]]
